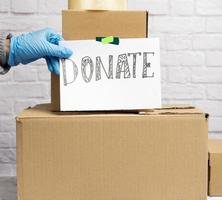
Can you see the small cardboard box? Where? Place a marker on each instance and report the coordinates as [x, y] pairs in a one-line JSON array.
[[158, 154], [82, 25], [215, 168]]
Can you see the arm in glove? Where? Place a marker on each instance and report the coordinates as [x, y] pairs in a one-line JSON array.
[[30, 47]]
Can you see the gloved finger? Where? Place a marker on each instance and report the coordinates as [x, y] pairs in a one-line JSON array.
[[52, 36], [55, 38], [58, 51], [53, 65], [49, 64]]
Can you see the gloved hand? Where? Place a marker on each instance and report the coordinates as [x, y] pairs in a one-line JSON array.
[[30, 47]]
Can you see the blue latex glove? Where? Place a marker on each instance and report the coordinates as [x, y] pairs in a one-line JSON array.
[[30, 47]]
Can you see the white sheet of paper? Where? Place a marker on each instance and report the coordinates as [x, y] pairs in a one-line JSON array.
[[92, 80]]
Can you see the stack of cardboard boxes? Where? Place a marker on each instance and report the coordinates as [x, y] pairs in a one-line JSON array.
[[157, 154]]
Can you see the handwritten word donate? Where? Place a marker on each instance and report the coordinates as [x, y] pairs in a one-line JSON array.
[[119, 70]]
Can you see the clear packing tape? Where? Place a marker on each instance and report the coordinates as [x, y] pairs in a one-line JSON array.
[[98, 4]]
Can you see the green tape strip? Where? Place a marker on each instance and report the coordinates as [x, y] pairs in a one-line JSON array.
[[108, 40]]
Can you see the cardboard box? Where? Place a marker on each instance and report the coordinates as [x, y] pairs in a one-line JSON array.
[[215, 168], [157, 154], [78, 25]]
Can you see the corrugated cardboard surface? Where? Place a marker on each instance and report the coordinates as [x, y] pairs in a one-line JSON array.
[[215, 168], [91, 24], [96, 156], [77, 25]]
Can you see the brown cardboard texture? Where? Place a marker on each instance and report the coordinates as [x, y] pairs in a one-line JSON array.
[[215, 168], [80, 25], [158, 154]]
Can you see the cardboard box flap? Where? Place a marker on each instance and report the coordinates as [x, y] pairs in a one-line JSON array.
[[174, 110], [44, 111], [181, 106]]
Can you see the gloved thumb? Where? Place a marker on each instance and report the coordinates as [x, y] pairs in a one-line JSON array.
[[58, 51]]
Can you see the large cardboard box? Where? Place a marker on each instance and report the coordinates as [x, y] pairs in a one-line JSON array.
[[215, 168], [157, 154], [78, 25]]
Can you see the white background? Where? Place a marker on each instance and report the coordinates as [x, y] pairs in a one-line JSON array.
[[191, 58]]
